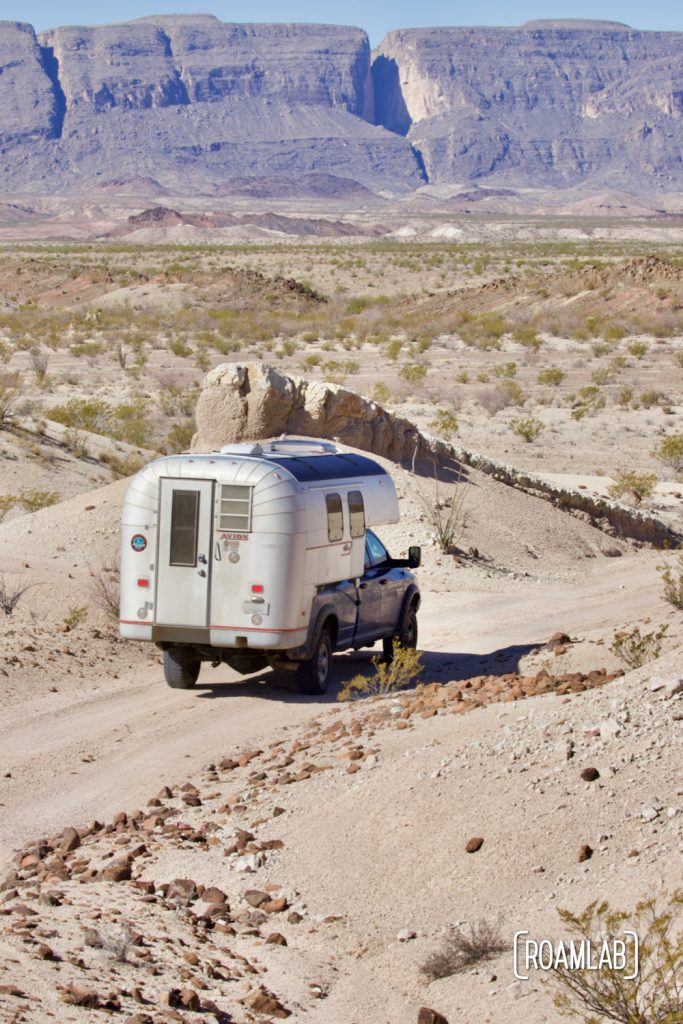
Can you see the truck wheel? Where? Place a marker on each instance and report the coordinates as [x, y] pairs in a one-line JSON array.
[[406, 636], [181, 668], [313, 675]]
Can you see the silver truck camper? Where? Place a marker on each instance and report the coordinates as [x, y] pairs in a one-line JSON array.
[[263, 555]]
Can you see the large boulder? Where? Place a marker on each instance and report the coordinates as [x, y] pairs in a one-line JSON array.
[[252, 401]]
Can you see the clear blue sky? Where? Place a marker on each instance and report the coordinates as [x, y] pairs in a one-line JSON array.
[[376, 18]]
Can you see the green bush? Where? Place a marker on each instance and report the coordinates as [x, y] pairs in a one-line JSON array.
[[654, 995], [551, 375], [635, 648], [528, 428], [670, 452], [35, 499], [671, 572], [403, 670], [633, 485]]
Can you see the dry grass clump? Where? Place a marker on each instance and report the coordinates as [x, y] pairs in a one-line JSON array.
[[462, 949]]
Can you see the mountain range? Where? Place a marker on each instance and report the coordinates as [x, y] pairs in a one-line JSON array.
[[191, 105]]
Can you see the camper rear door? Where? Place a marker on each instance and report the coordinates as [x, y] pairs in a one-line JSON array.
[[186, 511]]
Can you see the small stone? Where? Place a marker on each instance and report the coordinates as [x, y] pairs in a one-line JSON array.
[[255, 897], [352, 769], [182, 889], [294, 918], [585, 853], [276, 939], [117, 871], [249, 863], [263, 1001], [427, 1016], [649, 813], [275, 906], [609, 729], [590, 774], [70, 840], [474, 844], [405, 935], [213, 895]]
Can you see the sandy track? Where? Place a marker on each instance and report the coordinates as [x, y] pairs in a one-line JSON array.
[[112, 748]]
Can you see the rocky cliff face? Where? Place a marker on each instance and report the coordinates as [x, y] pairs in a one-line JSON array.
[[192, 102], [550, 103]]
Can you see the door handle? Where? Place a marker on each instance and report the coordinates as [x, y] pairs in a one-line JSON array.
[[201, 559], [202, 572], [218, 552]]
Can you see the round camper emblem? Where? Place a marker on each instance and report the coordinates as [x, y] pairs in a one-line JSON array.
[[138, 543]]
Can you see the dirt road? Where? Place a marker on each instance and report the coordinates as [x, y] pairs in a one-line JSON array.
[[110, 744]]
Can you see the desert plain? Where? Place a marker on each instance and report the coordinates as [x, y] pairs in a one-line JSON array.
[[239, 852]]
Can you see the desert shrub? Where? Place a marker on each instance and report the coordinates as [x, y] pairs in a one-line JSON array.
[[358, 305], [603, 375], [310, 362], [625, 397], [7, 502], [83, 413], [461, 950], [463, 377], [393, 349], [10, 384], [75, 616], [179, 437], [106, 589], [528, 428], [33, 500], [11, 594], [633, 485], [527, 336], [403, 670], [636, 648], [381, 393], [129, 423], [671, 572], [122, 466], [178, 401], [588, 402], [638, 348], [414, 373], [506, 370], [444, 424], [551, 375], [650, 398], [76, 442], [40, 358], [447, 511], [670, 452], [513, 391], [614, 332], [655, 995]]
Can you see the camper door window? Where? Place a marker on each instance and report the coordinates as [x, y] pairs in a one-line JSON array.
[[356, 514], [335, 518], [184, 520]]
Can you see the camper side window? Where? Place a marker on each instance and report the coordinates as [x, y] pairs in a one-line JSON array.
[[184, 518], [335, 518], [356, 514]]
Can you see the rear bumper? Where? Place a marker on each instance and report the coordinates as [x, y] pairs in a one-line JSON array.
[[252, 637]]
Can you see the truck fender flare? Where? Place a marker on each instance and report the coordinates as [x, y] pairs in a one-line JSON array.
[[328, 611], [411, 598]]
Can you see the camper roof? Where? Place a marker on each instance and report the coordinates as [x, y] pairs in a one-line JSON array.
[[308, 460]]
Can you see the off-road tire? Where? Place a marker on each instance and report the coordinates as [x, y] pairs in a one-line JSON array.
[[406, 636], [313, 675], [181, 667]]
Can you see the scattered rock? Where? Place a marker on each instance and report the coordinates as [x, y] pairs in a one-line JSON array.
[[590, 774], [474, 844], [263, 1001], [427, 1016], [585, 853]]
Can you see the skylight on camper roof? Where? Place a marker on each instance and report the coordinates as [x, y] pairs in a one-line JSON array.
[[327, 467]]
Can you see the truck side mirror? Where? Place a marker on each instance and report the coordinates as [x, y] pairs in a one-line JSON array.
[[414, 557]]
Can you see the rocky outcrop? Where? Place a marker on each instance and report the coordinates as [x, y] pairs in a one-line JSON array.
[[253, 401], [191, 102], [550, 103]]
